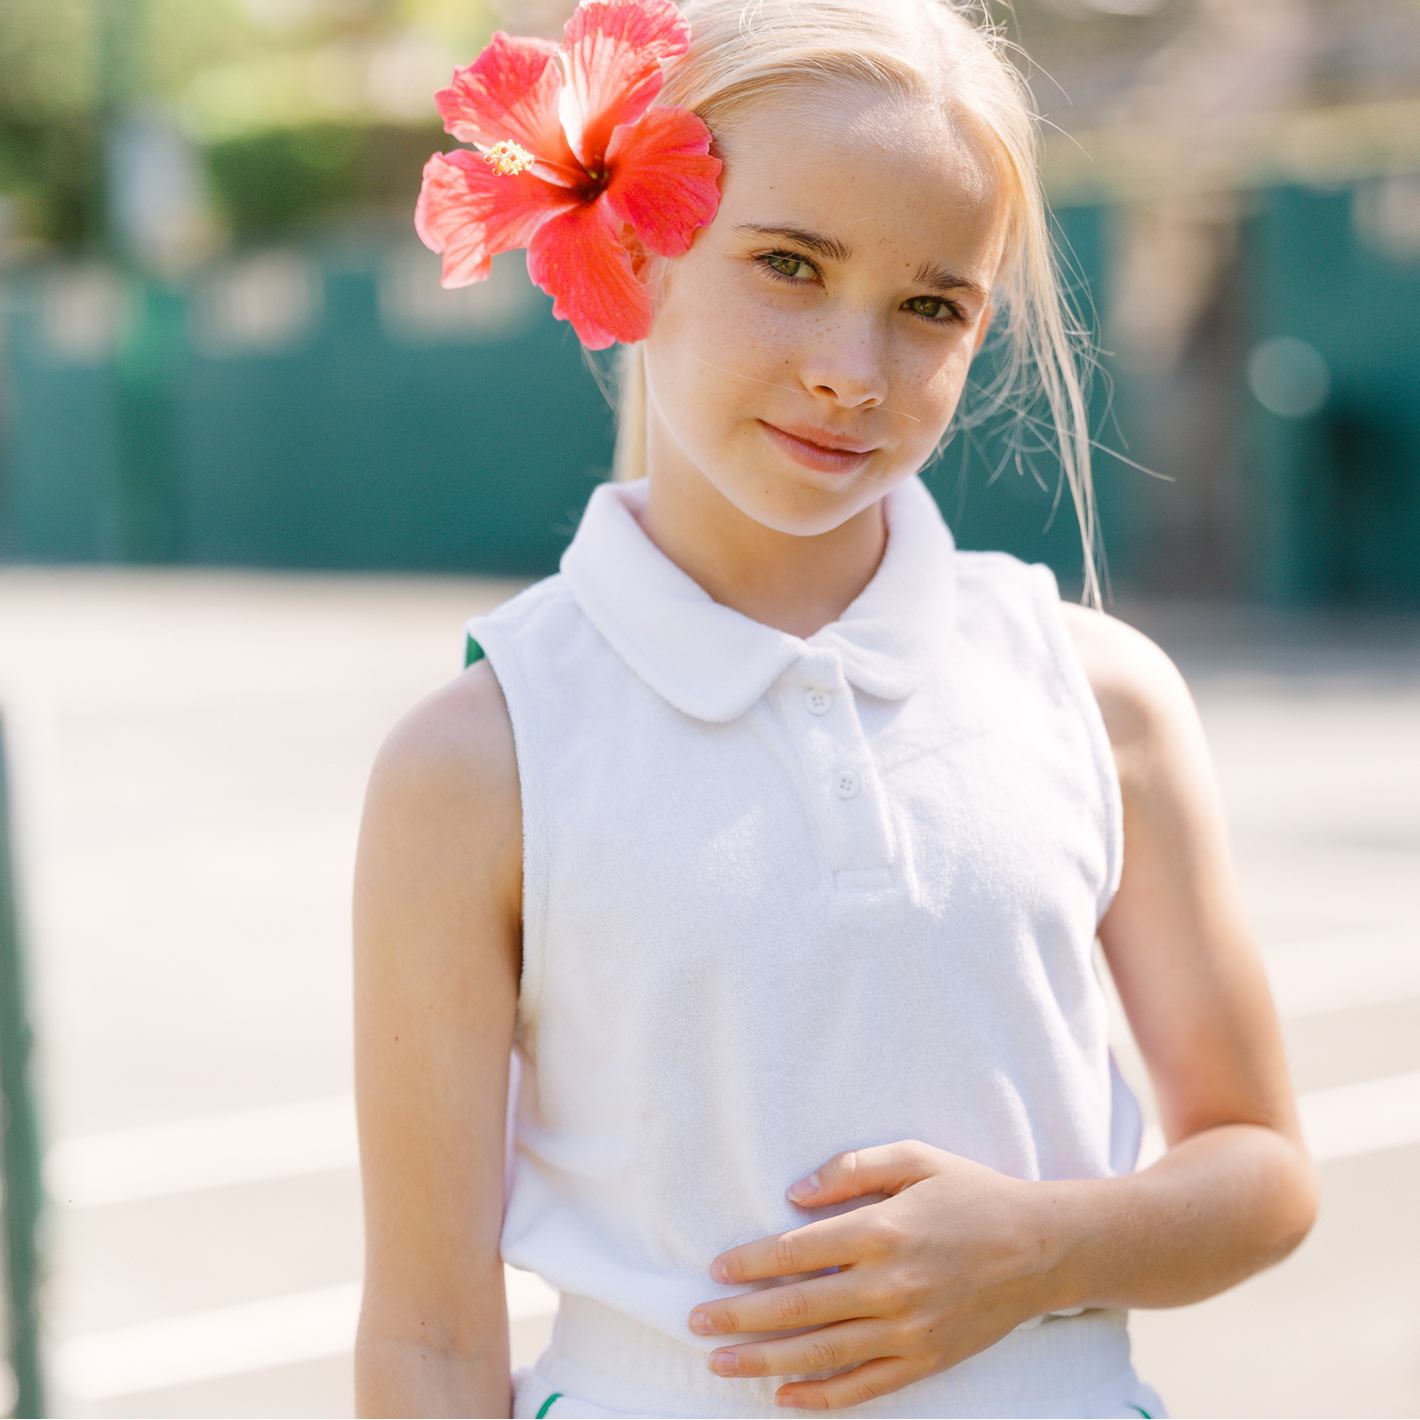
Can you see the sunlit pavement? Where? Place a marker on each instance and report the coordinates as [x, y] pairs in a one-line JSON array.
[[192, 749]]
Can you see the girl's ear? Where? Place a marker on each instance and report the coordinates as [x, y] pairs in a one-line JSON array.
[[985, 325]]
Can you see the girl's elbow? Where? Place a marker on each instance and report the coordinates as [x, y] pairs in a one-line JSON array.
[[1297, 1195]]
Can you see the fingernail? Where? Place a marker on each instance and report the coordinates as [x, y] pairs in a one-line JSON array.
[[718, 1272], [700, 1323], [724, 1363], [805, 1188], [789, 1402]]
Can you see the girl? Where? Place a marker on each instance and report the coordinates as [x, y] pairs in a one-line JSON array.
[[773, 836]]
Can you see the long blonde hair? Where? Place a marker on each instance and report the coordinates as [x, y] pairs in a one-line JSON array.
[[947, 52]]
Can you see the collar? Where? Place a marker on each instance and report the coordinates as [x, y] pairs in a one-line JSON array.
[[714, 663]]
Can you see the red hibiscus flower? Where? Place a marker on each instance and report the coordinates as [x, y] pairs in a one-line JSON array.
[[569, 154]]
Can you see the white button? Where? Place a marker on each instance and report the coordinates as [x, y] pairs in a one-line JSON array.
[[845, 783], [819, 702]]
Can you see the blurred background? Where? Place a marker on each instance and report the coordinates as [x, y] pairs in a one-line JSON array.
[[256, 468]]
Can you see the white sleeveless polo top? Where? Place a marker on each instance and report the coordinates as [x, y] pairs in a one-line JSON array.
[[786, 897]]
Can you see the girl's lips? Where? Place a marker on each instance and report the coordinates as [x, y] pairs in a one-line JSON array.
[[818, 449]]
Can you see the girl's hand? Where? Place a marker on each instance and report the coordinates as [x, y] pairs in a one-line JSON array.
[[950, 1261]]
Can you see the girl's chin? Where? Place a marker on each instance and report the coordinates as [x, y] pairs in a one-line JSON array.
[[802, 508]]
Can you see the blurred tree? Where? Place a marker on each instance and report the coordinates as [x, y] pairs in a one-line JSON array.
[[49, 163], [279, 179], [319, 95], [310, 101]]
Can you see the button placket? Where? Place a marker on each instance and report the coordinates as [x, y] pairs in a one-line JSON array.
[[843, 789]]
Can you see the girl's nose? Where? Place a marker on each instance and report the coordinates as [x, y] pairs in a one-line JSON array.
[[847, 363]]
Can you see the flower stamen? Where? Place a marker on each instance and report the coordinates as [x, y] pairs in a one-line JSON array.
[[508, 159]]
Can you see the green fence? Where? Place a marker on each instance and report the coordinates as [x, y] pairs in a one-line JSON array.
[[19, 1141], [333, 408], [294, 409], [1337, 273]]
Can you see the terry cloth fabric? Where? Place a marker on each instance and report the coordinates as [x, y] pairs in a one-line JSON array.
[[1075, 1367], [785, 897]]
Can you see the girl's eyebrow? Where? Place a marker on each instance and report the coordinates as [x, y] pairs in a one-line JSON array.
[[938, 278], [829, 247]]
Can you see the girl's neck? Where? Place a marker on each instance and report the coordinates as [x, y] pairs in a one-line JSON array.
[[793, 583]]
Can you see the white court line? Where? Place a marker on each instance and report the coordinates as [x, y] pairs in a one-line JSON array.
[[285, 1141], [254, 1336], [154, 1355], [1344, 972], [315, 1136], [1345, 1121], [307, 1326], [1364, 1118]]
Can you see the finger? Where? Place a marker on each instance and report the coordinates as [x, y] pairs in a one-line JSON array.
[[863, 1383], [827, 1243], [816, 1302], [888, 1168], [848, 1343]]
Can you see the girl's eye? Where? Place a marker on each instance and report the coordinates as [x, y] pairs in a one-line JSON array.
[[934, 308], [790, 267]]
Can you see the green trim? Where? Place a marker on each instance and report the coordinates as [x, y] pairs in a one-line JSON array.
[[556, 1395], [472, 652], [1142, 1411]]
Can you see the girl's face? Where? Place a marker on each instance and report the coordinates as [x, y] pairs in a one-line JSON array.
[[810, 348]]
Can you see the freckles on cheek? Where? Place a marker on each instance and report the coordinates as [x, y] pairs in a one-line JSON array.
[[746, 351], [745, 325], [940, 394]]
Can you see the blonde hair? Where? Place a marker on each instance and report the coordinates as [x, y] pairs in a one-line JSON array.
[[947, 52]]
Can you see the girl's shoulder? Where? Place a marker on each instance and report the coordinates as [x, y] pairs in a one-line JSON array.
[[449, 763], [461, 728], [1147, 709]]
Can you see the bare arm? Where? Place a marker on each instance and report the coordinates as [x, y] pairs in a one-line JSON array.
[[957, 1255], [437, 958], [1236, 1191]]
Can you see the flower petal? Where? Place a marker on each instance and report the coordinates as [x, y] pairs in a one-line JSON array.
[[508, 94], [663, 179], [614, 51], [469, 213], [578, 260]]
